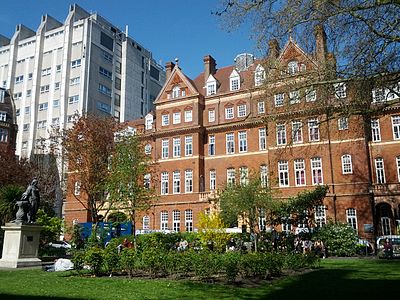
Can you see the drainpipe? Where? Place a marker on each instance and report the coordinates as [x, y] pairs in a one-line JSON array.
[[331, 167]]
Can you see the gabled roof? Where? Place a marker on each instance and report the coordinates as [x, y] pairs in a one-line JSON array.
[[291, 45], [176, 77]]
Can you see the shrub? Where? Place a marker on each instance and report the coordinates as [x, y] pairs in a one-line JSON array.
[[339, 239], [128, 260], [205, 263], [78, 259], [252, 265], [111, 259], [94, 259], [231, 262]]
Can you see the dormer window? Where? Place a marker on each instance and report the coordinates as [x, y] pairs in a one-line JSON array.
[[234, 80], [259, 76], [293, 67], [149, 121], [176, 91], [211, 86]]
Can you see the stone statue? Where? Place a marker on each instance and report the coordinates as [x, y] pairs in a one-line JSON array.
[[29, 203]]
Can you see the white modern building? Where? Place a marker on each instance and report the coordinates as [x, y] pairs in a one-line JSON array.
[[82, 65]]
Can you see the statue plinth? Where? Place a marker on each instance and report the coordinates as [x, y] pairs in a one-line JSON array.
[[21, 245]]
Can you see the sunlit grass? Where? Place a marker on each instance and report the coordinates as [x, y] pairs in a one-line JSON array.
[[335, 279]]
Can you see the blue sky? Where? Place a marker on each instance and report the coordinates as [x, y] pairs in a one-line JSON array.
[[169, 28]]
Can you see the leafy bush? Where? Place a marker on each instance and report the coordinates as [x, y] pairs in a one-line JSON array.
[[78, 259], [94, 259], [128, 260], [231, 263], [339, 239], [111, 259]]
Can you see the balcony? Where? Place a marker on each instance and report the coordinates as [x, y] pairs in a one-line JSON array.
[[386, 189], [208, 196]]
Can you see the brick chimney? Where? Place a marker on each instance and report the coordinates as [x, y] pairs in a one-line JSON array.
[[320, 43], [273, 49], [209, 66], [169, 66]]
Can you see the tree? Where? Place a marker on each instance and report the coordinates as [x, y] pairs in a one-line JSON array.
[[212, 228], [246, 200], [364, 35], [88, 146], [128, 183], [8, 196]]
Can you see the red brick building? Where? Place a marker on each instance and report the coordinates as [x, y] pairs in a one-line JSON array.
[[280, 117]]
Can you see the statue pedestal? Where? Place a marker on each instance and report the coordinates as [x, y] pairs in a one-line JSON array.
[[21, 245]]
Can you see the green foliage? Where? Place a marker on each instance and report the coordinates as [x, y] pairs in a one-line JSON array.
[[9, 194], [245, 201], [212, 228], [94, 259], [128, 260], [78, 259], [111, 259], [52, 227], [231, 263], [340, 239]]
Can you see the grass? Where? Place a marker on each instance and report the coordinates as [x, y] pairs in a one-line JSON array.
[[335, 279]]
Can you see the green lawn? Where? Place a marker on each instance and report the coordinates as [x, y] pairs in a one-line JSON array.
[[335, 279]]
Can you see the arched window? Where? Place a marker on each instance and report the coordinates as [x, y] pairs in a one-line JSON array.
[[347, 166], [293, 67], [146, 222], [176, 91], [259, 76]]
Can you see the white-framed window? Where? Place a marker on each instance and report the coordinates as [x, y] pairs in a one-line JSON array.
[[398, 167], [230, 143], [164, 183], [311, 95], [165, 120], [340, 90], [293, 67], [164, 220], [189, 220], [176, 182], [176, 220], [46, 72], [320, 215], [281, 134], [380, 170], [189, 181], [279, 98], [313, 130], [76, 63], [177, 147], [44, 88], [176, 91], [230, 176], [343, 123], [244, 175], [347, 166], [261, 107], [149, 121], [234, 81], [213, 180], [27, 109], [146, 223], [375, 130], [73, 99], [351, 216], [104, 90], [58, 68], [188, 115], [262, 220], [262, 139], [3, 135], [19, 79], [188, 145], [229, 114], [43, 106], [316, 171], [25, 127], [396, 127], [75, 81], [57, 85], [264, 175], [211, 88], [379, 95], [211, 145], [297, 132], [211, 115], [56, 103], [283, 171], [17, 96], [241, 110], [176, 118], [300, 172], [42, 124], [242, 137], [259, 75], [294, 97], [28, 93], [164, 149], [77, 188], [147, 181], [3, 116], [147, 149]]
